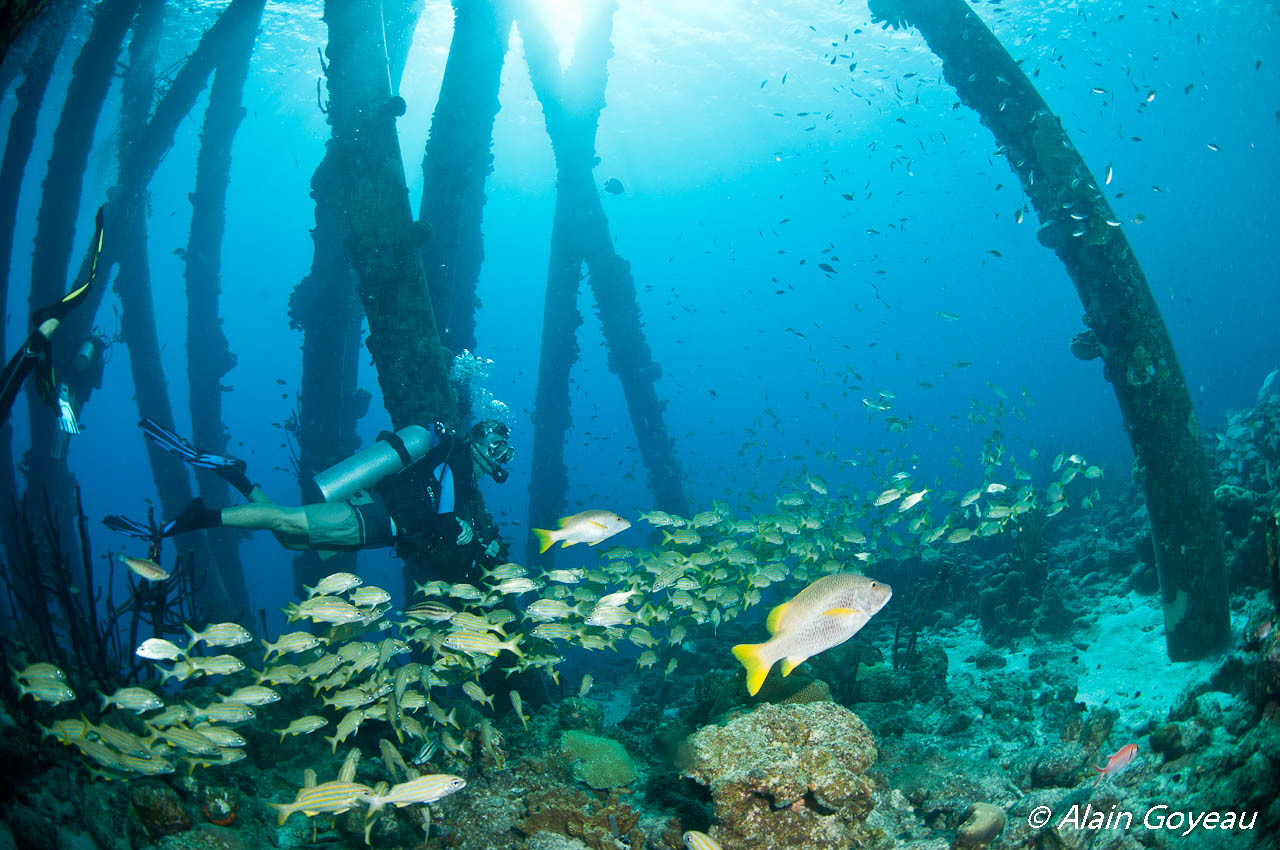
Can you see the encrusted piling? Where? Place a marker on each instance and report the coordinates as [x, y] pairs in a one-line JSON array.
[[1139, 360], [458, 158], [208, 355], [36, 71], [571, 103], [381, 238], [325, 308]]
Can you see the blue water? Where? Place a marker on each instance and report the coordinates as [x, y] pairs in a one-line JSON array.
[[725, 198]]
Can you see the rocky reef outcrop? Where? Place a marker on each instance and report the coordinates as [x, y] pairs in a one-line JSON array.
[[787, 776]]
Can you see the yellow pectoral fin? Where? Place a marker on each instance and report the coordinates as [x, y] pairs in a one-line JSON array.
[[775, 616], [839, 612], [757, 667], [789, 664]]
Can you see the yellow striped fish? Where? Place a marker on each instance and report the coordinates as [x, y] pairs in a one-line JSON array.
[[188, 739], [303, 725], [331, 584], [226, 712], [424, 789], [473, 690], [291, 643], [482, 643], [219, 634], [137, 700], [326, 798], [252, 695], [695, 840]]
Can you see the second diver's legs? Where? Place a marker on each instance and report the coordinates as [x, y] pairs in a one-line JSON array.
[[327, 525]]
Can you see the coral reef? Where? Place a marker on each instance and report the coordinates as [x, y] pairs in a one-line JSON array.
[[787, 776], [158, 808], [580, 713], [981, 823], [574, 813]]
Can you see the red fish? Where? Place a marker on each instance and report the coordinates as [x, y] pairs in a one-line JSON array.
[[1119, 761]]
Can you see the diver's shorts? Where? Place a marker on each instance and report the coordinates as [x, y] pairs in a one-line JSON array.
[[360, 522], [376, 528]]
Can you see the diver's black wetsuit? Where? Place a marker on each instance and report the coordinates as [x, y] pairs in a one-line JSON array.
[[428, 512]]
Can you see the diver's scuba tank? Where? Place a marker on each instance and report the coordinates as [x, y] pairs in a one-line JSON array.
[[90, 355], [389, 454]]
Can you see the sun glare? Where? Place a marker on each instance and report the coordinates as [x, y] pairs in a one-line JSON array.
[[563, 19]]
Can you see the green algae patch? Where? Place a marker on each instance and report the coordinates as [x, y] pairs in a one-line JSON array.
[[601, 763]]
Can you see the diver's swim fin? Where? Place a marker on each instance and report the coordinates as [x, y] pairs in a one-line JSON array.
[[181, 446], [60, 308], [130, 527], [230, 469], [194, 517], [36, 353]]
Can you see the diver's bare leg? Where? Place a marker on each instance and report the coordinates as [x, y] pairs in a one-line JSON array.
[[288, 524]]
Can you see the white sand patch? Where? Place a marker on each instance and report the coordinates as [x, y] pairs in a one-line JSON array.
[[1120, 658], [1125, 664]]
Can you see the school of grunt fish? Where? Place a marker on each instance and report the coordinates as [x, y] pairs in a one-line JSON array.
[[416, 674]]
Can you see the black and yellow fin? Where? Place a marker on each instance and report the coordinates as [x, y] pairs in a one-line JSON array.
[[78, 293]]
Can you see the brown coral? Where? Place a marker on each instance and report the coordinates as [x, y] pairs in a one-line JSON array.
[[788, 776], [725, 695], [568, 811]]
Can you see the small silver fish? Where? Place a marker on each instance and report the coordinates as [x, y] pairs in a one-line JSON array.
[[159, 649], [147, 569]]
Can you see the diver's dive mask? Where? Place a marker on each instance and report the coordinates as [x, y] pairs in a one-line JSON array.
[[489, 441]]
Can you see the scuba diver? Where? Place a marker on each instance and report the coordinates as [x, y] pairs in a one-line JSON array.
[[413, 489], [409, 490], [36, 354]]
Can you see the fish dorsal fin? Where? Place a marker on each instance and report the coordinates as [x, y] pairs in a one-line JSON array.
[[565, 519], [789, 664], [839, 612], [775, 617]]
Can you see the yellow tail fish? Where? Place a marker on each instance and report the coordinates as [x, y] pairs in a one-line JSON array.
[[825, 614], [590, 527]]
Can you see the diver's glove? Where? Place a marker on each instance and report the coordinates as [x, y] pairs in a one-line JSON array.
[[465, 535], [492, 549]]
